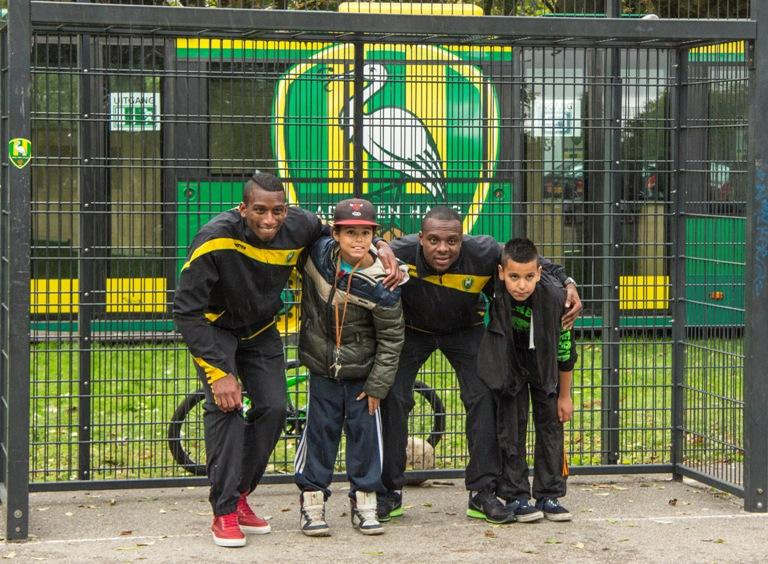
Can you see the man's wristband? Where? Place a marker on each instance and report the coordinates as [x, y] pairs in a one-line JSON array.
[[568, 281]]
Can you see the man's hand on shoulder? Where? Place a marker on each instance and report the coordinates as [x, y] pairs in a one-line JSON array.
[[391, 266], [573, 306], [228, 393]]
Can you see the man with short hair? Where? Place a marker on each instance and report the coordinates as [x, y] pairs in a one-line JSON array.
[[444, 310], [225, 305]]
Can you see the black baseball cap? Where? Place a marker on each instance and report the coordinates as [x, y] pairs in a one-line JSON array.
[[355, 211]]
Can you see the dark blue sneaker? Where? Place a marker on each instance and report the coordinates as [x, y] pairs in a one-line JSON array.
[[524, 511], [485, 505], [552, 509], [389, 505]]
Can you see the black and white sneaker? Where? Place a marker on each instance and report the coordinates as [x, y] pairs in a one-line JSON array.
[[553, 510], [312, 520], [524, 511], [485, 505], [389, 505], [363, 509]]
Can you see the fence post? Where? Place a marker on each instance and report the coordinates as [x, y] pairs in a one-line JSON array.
[[611, 236], [517, 195], [756, 280], [16, 250], [680, 140], [357, 120]]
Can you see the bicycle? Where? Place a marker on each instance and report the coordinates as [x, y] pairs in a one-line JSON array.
[[185, 430]]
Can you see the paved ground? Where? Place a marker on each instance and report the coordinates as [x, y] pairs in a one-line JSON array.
[[630, 519]]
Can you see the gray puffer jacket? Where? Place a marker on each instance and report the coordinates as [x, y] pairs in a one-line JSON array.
[[373, 330]]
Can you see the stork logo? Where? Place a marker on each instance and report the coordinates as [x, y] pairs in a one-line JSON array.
[[419, 127]]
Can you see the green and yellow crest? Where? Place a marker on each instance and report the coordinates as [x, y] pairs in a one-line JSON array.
[[429, 131], [19, 152]]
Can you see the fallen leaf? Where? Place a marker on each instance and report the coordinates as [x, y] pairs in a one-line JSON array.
[[450, 513], [438, 483], [619, 488], [645, 485], [490, 534], [202, 513], [604, 494], [285, 509], [613, 521], [126, 533], [43, 508], [113, 501], [127, 548], [672, 501], [553, 541], [662, 522], [147, 543], [374, 553], [719, 541], [68, 514], [529, 551], [163, 511], [579, 545], [427, 504], [9, 555]]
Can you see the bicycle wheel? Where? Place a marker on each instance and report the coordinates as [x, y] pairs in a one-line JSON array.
[[428, 415], [185, 434]]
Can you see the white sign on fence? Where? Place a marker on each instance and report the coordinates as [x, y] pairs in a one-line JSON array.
[[134, 111], [555, 118]]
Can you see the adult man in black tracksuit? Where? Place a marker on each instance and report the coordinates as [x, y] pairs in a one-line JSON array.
[[444, 311], [225, 305]]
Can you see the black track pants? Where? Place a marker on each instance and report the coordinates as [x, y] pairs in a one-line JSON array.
[[333, 405], [238, 450], [548, 479], [460, 348]]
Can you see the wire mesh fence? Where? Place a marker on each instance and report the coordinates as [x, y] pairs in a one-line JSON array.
[[140, 139], [625, 160]]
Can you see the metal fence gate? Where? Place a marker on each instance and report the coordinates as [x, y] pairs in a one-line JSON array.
[[625, 150]]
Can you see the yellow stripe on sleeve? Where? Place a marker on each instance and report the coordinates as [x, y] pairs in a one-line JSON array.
[[278, 257], [211, 372], [213, 316]]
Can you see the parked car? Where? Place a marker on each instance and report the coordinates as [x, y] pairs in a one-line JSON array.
[[567, 181]]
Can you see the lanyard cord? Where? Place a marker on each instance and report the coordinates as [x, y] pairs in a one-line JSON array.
[[340, 325]]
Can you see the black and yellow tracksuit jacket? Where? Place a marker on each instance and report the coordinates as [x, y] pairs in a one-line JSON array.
[[443, 303], [232, 282]]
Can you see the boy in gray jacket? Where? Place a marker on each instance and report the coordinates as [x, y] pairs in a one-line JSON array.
[[351, 337]]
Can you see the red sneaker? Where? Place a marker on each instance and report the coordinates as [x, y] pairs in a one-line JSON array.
[[250, 522], [226, 531]]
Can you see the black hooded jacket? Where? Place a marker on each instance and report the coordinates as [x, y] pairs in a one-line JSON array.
[[498, 363]]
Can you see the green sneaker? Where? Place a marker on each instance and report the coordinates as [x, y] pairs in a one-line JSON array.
[[485, 505], [389, 505]]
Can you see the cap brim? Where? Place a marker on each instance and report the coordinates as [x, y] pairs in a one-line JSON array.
[[356, 222]]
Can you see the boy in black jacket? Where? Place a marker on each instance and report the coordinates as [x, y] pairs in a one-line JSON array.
[[525, 351]]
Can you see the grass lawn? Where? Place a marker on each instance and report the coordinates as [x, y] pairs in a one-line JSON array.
[[134, 389]]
